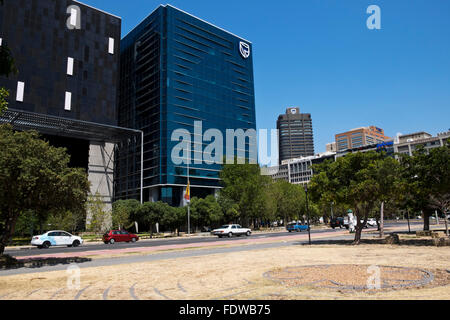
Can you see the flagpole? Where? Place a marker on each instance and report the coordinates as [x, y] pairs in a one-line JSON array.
[[188, 187]]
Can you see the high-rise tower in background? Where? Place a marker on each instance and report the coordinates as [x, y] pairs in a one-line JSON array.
[[296, 137], [178, 70]]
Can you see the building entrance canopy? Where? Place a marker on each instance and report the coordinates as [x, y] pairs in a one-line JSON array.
[[51, 125]]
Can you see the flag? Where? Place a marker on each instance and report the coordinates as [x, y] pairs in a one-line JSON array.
[[187, 196]]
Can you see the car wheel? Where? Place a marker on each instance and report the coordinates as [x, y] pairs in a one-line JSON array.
[[248, 233], [76, 243], [133, 240], [46, 245], [112, 241], [230, 235]]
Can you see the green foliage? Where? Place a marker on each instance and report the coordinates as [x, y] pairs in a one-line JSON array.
[[248, 189], [174, 218], [151, 213], [35, 176], [67, 220], [289, 200], [27, 224], [122, 213], [426, 181], [4, 94], [99, 216], [7, 64], [206, 212], [358, 181]]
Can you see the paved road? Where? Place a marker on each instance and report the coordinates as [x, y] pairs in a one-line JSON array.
[[258, 242], [163, 242]]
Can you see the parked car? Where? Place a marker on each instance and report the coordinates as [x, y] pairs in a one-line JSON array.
[[114, 236], [372, 222], [231, 230], [346, 225], [337, 222], [297, 227], [56, 238]]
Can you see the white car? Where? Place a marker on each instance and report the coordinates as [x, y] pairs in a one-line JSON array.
[[372, 222], [231, 230], [56, 238]]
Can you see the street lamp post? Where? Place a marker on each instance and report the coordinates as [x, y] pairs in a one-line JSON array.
[[307, 214]]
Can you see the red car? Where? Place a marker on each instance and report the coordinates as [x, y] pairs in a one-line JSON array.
[[114, 236]]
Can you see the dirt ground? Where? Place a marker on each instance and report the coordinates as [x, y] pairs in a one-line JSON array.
[[236, 276]]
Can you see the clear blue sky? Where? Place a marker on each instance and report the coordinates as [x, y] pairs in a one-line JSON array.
[[320, 56]]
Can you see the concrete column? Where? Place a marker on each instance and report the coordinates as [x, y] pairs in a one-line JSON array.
[[101, 173]]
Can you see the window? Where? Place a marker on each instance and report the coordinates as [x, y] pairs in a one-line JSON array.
[[20, 91], [68, 103], [73, 17], [70, 66], [111, 46]]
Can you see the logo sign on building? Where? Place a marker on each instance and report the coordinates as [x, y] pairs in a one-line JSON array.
[[244, 49], [293, 111]]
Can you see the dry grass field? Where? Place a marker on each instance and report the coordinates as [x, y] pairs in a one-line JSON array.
[[235, 276]]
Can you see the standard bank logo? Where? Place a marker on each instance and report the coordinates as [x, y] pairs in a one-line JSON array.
[[244, 48]]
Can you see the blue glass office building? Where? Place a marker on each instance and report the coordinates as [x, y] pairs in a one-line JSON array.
[[177, 69]]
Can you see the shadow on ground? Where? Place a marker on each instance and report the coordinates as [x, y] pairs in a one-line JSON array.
[[11, 263], [387, 241]]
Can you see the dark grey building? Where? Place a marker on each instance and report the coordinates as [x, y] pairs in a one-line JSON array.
[[295, 135], [67, 56], [177, 71]]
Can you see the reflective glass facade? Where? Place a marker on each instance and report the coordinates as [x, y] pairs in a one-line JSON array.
[[175, 70]]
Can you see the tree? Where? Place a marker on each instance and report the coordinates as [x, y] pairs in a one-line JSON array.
[[4, 94], [206, 212], [174, 218], [67, 220], [230, 209], [428, 176], [35, 176], [7, 67], [99, 217], [358, 181], [122, 212], [244, 185], [289, 200], [151, 213]]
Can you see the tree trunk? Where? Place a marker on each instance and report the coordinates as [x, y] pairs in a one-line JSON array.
[[358, 232], [382, 220], [446, 226], [5, 238], [426, 221]]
